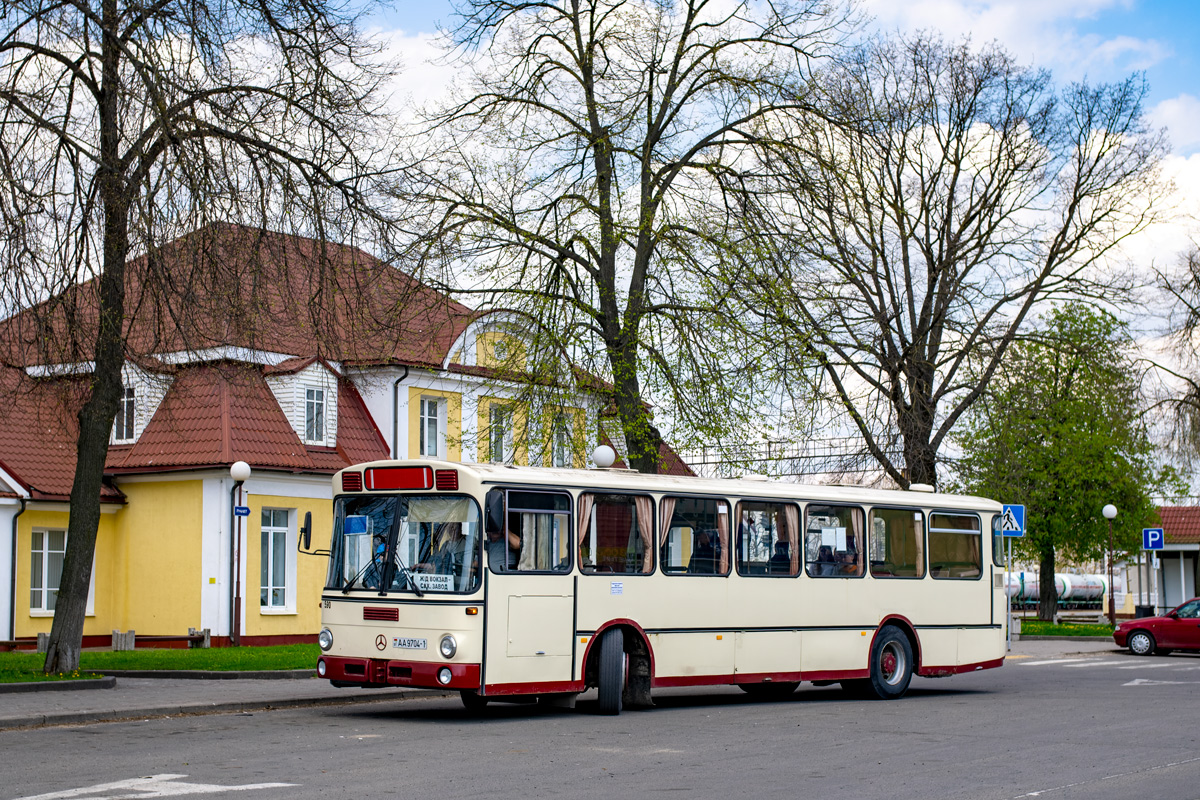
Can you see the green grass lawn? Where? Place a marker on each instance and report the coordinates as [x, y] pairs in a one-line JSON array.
[[18, 667], [1036, 627]]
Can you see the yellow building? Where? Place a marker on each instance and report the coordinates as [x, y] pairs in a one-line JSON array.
[[181, 544]]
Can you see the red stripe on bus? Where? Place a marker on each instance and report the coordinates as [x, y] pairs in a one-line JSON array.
[[959, 669]]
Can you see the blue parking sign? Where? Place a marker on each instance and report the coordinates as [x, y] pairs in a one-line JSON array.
[[1152, 538], [1012, 520]]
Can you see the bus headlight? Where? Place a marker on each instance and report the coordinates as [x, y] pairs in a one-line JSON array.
[[448, 646], [444, 676], [325, 638], [321, 667]]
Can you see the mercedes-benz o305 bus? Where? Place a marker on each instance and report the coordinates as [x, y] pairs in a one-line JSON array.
[[514, 582]]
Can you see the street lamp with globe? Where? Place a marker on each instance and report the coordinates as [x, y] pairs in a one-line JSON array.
[[1109, 512]]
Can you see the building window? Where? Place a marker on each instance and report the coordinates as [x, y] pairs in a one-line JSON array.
[[126, 414], [500, 434], [45, 568], [560, 453], [430, 433], [314, 415], [273, 566]]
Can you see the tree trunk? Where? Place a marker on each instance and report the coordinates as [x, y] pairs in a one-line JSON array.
[[642, 439], [97, 415], [1047, 591]]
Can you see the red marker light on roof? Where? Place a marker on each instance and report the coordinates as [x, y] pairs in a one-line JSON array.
[[399, 478]]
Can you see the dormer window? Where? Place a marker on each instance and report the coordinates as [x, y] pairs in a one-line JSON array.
[[314, 415], [123, 430]]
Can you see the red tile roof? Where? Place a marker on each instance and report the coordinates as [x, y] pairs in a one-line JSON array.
[[1181, 524], [38, 430], [228, 285], [215, 414]]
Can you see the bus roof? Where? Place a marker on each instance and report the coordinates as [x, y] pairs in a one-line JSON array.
[[632, 481]]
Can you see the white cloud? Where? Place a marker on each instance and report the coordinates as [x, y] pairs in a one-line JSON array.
[[1181, 116], [425, 74]]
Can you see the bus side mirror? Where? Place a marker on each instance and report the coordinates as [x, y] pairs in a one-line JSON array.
[[493, 512], [306, 531]]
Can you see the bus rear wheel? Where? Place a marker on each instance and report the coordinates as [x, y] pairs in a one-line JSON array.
[[891, 664], [611, 673]]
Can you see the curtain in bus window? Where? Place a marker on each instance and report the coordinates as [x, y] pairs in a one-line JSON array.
[[587, 532], [792, 513], [723, 538], [645, 522], [666, 508], [694, 540]]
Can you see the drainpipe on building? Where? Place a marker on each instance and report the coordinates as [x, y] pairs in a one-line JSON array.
[[396, 413], [12, 582]]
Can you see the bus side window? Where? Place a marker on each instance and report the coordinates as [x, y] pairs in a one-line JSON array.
[[897, 543], [833, 541], [536, 536], [767, 541], [955, 546], [615, 533], [694, 536]]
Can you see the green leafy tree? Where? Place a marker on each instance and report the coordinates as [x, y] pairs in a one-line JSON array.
[[1061, 430]]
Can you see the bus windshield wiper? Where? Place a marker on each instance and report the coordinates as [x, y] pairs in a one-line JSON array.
[[412, 581]]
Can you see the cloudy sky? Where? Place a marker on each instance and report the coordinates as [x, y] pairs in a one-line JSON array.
[[1096, 40]]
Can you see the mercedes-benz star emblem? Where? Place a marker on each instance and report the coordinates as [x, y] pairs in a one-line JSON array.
[[380, 642]]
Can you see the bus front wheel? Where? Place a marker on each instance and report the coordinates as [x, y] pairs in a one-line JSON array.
[[891, 664], [611, 672]]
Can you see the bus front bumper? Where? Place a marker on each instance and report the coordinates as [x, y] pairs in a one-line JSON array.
[[381, 672]]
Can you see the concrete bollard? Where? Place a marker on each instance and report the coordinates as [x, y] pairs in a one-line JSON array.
[[124, 641], [205, 643], [43, 643]]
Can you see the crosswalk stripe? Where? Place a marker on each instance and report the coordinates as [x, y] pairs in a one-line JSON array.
[[1051, 661], [1100, 663], [1146, 666]]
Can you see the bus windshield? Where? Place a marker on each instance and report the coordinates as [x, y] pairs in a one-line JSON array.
[[388, 543]]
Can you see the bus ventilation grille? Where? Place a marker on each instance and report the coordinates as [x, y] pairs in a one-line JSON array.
[[446, 480], [351, 481], [382, 614]]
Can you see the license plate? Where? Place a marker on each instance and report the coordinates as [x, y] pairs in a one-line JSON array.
[[409, 644]]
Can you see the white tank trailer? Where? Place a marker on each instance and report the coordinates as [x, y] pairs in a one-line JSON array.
[[1074, 591]]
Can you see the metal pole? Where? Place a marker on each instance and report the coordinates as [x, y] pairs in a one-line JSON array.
[[1112, 603], [1007, 596]]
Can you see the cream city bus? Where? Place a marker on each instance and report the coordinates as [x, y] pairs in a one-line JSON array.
[[515, 582]]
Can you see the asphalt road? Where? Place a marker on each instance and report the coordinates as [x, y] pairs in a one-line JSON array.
[[1102, 725]]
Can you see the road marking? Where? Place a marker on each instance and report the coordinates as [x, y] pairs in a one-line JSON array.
[[1148, 682], [1147, 666], [151, 786], [1052, 661], [1103, 664], [1168, 765]]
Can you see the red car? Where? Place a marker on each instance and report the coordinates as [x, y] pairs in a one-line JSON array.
[[1178, 629]]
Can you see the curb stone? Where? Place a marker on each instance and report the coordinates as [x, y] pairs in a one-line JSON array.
[[107, 682]]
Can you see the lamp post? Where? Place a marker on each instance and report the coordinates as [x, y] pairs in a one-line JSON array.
[[1109, 512], [240, 472]]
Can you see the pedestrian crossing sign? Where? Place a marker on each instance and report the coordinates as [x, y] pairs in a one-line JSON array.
[[1012, 520]]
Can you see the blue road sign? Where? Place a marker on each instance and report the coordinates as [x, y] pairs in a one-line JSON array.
[[241, 511], [1152, 538], [1012, 520]]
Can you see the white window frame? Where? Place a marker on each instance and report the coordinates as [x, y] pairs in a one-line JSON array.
[[126, 416], [289, 567], [42, 611], [315, 398], [431, 411], [500, 431]]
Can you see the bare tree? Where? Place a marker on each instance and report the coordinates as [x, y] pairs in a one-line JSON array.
[[127, 123], [591, 178], [914, 244]]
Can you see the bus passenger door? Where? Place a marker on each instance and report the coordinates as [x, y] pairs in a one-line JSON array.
[[530, 597]]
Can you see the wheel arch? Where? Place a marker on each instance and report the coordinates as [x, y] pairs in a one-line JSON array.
[[905, 626], [636, 645]]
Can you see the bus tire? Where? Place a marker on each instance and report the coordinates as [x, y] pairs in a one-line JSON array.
[[611, 673], [891, 664], [473, 700]]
